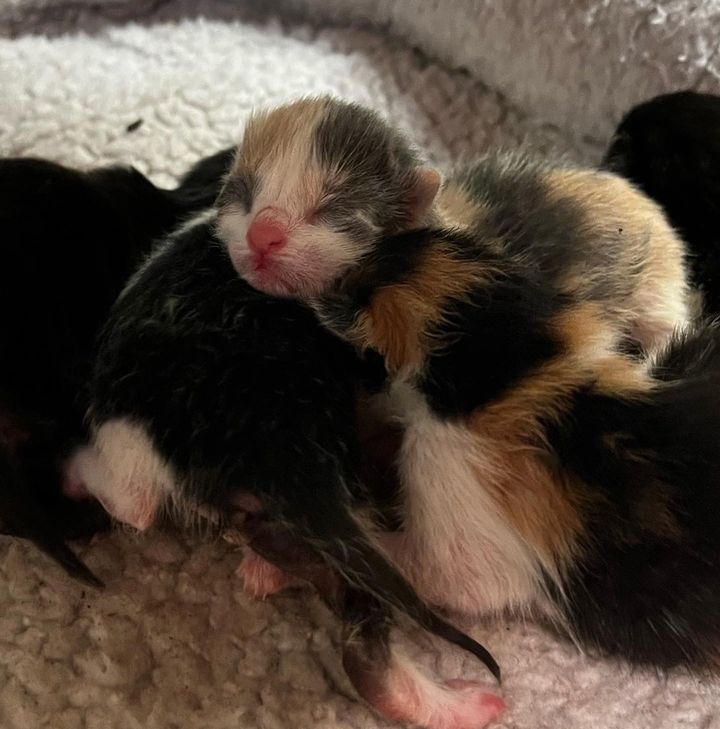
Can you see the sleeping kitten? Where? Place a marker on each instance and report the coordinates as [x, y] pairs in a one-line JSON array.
[[69, 240], [670, 147]]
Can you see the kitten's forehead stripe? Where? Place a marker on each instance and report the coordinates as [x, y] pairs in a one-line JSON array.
[[270, 134]]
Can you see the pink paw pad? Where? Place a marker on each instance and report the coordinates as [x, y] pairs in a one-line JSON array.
[[75, 489], [475, 707], [260, 578], [412, 698]]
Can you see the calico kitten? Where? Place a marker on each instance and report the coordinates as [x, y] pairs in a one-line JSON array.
[[560, 449], [317, 184]]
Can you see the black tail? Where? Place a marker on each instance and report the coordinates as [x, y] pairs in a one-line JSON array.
[[649, 588], [355, 557], [56, 548], [344, 545], [22, 516]]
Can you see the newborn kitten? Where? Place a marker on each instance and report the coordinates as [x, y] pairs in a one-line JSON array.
[[208, 394], [69, 239], [317, 184]]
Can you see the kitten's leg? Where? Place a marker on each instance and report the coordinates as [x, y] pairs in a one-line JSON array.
[[260, 577], [394, 686], [277, 558], [120, 479], [389, 682]]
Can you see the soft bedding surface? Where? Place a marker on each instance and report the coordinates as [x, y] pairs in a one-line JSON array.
[[173, 643]]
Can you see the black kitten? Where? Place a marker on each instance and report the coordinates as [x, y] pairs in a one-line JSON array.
[[208, 393], [670, 147], [68, 242]]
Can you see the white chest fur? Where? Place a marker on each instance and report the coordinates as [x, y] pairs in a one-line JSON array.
[[458, 548]]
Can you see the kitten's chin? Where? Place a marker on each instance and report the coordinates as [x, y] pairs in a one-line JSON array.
[[300, 273], [275, 279], [271, 284]]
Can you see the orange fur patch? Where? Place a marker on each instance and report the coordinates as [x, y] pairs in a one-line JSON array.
[[543, 502], [272, 133], [400, 317]]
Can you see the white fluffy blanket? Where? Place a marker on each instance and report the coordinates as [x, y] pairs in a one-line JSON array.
[[173, 643]]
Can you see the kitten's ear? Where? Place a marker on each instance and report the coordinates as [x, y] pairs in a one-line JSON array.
[[425, 189]]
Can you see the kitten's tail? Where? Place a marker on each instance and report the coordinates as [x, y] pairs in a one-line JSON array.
[[347, 549], [20, 517]]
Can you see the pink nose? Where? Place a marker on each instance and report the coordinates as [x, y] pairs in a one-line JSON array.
[[264, 236]]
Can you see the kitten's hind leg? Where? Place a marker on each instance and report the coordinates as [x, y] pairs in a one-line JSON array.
[[260, 577], [394, 686], [390, 683], [276, 558]]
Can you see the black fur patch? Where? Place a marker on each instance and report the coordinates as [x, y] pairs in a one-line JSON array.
[[648, 587], [670, 147], [392, 262], [547, 234], [204, 179], [491, 341]]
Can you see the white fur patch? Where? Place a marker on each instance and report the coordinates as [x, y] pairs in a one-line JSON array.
[[411, 697], [458, 548], [124, 471]]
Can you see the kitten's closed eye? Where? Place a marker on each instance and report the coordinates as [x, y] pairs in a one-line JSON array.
[[239, 187], [342, 214], [322, 211]]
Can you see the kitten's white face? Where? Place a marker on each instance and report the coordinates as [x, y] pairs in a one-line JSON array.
[[274, 211], [313, 187], [283, 250]]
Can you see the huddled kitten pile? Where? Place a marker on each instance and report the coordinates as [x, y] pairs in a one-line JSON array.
[[519, 350]]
